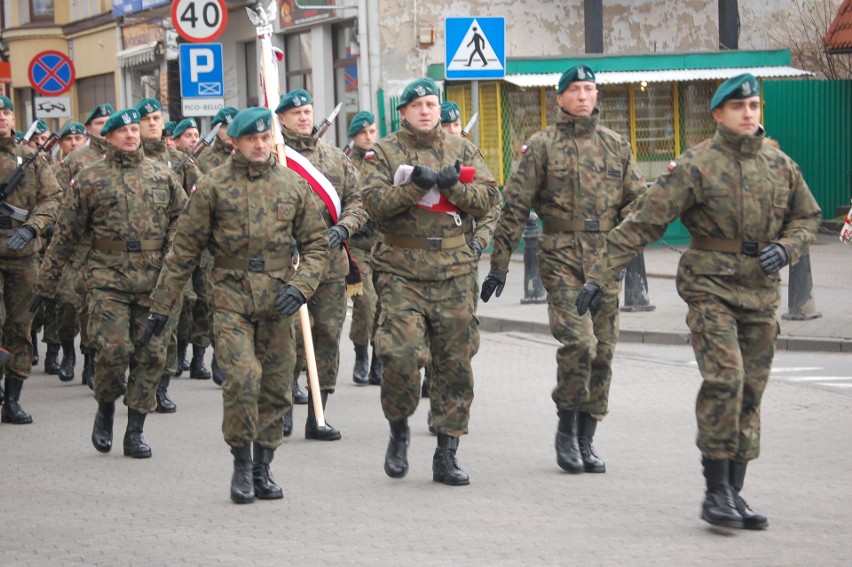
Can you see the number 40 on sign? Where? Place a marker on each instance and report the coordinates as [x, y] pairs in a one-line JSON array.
[[199, 21]]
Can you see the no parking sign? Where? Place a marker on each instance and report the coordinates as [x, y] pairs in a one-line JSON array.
[[51, 73]]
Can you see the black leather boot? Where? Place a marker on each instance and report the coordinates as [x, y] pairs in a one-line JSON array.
[[719, 508], [299, 396], [134, 443], [242, 485], [34, 339], [182, 362], [362, 358], [751, 520], [396, 459], [568, 455], [4, 354], [197, 370], [216, 372], [288, 423], [264, 487], [164, 404], [311, 430], [89, 368], [445, 466], [69, 359], [586, 426], [102, 431], [424, 388], [51, 359], [12, 411], [375, 369]]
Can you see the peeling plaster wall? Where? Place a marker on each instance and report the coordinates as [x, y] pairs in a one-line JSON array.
[[660, 26]]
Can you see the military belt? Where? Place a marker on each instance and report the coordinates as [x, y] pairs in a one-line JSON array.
[[746, 247], [252, 264], [585, 225], [128, 245], [431, 244]]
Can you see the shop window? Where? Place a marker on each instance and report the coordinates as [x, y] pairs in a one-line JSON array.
[[614, 105], [41, 10], [298, 53], [92, 91]]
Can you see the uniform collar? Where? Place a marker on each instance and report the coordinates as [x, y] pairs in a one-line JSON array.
[[253, 170], [745, 146], [8, 143], [579, 125], [99, 145], [224, 147], [299, 142], [125, 159], [419, 139], [154, 148]]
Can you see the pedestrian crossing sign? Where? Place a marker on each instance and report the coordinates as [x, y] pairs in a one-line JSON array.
[[475, 48]]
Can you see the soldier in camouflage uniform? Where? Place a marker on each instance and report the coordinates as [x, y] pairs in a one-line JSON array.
[[69, 167], [749, 213], [416, 189], [168, 134], [328, 305], [128, 205], [363, 134], [39, 194], [244, 213], [580, 177]]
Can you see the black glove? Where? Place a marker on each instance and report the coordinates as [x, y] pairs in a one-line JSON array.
[[156, 325], [48, 232], [477, 247], [336, 236], [20, 237], [289, 300], [492, 282], [365, 231], [772, 258], [589, 299], [424, 177], [37, 301], [449, 176]]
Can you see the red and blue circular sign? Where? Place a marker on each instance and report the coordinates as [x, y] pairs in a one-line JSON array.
[[51, 73]]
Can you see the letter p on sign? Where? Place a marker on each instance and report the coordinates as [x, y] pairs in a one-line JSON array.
[[200, 62]]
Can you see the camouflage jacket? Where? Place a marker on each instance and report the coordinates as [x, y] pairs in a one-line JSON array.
[[369, 234], [331, 162], [214, 156], [37, 193], [395, 210], [78, 159], [573, 170], [186, 176], [126, 197], [242, 210], [728, 187]]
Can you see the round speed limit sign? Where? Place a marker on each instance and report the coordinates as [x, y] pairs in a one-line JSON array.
[[199, 21]]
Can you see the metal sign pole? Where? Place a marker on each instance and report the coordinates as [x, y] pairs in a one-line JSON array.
[[474, 100]]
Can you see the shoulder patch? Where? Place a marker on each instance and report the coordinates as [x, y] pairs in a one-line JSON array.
[[524, 148], [370, 155], [192, 191], [72, 183], [672, 165]]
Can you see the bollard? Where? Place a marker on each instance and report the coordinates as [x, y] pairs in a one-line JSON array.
[[800, 297], [636, 286], [533, 288]]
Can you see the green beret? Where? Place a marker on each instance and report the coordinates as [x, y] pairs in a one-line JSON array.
[[449, 112], [252, 120], [19, 134], [100, 110], [293, 99], [739, 87], [224, 116], [6, 102], [183, 126], [41, 127], [169, 129], [148, 105], [120, 119], [416, 89], [359, 122], [575, 73], [72, 128]]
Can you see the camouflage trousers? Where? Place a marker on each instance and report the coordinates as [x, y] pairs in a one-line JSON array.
[[584, 361], [422, 323], [194, 325], [257, 357], [116, 323], [363, 306], [734, 350], [17, 278], [62, 319], [327, 308]]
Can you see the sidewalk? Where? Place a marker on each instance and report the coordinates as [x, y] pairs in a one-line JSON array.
[[666, 324]]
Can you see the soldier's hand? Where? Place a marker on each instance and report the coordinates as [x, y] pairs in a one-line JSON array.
[[492, 283], [477, 247], [846, 232], [37, 301], [589, 299], [449, 176], [156, 325], [20, 237], [772, 258], [424, 177], [365, 231], [289, 300], [337, 235]]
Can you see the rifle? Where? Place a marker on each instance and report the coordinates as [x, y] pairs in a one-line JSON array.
[[466, 131], [349, 147], [202, 143], [25, 139], [327, 122], [8, 186]]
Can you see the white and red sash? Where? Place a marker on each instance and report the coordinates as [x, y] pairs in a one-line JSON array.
[[318, 182]]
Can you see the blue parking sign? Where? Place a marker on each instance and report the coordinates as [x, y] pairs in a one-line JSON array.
[[201, 70]]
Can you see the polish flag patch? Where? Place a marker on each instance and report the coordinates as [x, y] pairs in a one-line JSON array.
[[672, 165], [370, 155], [524, 149]]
